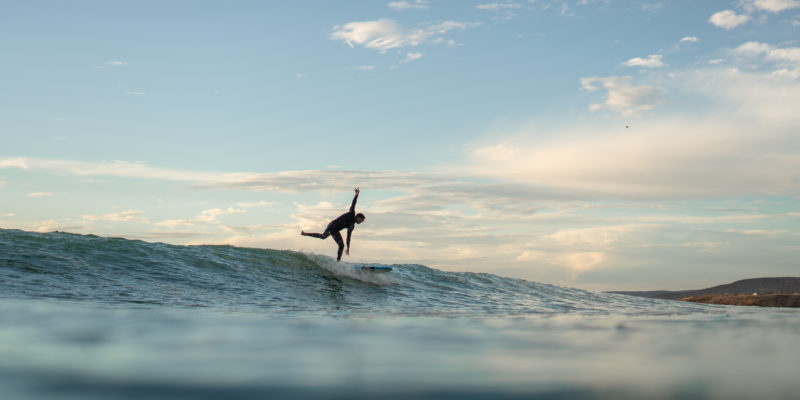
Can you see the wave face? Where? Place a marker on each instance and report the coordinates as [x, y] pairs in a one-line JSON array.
[[116, 271]]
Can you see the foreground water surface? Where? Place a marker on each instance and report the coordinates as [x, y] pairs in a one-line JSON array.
[[89, 317]]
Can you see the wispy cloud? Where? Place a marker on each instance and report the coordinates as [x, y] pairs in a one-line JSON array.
[[206, 217], [623, 97], [498, 6], [124, 216], [713, 154], [758, 232], [249, 229], [707, 247], [652, 61], [690, 39], [255, 204], [668, 159], [386, 34], [411, 57], [40, 194], [767, 93], [786, 59], [531, 207], [55, 225], [286, 181], [111, 64], [728, 19], [406, 5], [773, 6]]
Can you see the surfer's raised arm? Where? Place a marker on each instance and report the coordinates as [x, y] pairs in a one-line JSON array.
[[353, 206]]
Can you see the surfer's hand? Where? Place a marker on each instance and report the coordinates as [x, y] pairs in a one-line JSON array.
[[357, 190]]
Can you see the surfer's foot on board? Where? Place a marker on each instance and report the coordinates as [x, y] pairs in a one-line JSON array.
[[303, 233]]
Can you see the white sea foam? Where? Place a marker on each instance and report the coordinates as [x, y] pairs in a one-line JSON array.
[[349, 270]]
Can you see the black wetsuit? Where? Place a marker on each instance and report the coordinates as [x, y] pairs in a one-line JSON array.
[[346, 220]]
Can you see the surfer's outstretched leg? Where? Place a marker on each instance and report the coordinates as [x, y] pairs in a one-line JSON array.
[[338, 238], [322, 235]]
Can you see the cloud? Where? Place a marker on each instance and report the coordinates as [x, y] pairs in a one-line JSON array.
[[707, 247], [758, 232], [125, 216], [716, 153], [249, 229], [670, 158], [771, 98], [622, 96], [134, 93], [542, 224], [111, 64], [742, 144], [319, 180], [285, 181], [605, 2], [255, 204], [364, 68], [120, 169], [385, 34], [39, 194], [728, 19], [773, 6], [786, 59], [498, 6], [53, 225], [690, 39], [405, 5], [411, 57], [652, 61], [565, 12], [206, 217]]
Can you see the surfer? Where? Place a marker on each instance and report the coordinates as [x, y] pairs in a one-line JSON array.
[[347, 220]]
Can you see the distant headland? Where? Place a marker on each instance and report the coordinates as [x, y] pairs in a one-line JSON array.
[[764, 292]]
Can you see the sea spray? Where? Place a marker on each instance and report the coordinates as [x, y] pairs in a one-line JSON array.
[[348, 270]]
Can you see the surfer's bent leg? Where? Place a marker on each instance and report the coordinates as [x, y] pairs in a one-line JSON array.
[[338, 238]]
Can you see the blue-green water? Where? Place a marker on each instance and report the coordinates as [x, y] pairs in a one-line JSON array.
[[90, 317]]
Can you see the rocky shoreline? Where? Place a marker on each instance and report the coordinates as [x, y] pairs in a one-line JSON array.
[[754, 299], [764, 292]]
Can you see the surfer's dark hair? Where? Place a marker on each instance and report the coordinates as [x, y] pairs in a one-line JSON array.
[[360, 215]]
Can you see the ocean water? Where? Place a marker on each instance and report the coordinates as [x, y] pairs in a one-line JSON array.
[[87, 317]]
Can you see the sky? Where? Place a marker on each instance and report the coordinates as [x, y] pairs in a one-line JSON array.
[[598, 144]]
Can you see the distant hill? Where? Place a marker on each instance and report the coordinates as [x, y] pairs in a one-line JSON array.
[[761, 300], [745, 286]]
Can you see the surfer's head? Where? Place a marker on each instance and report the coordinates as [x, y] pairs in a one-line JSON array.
[[360, 218]]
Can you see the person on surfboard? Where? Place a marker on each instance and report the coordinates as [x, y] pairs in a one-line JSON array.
[[347, 220]]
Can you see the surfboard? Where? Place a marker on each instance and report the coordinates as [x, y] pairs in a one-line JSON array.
[[372, 268]]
